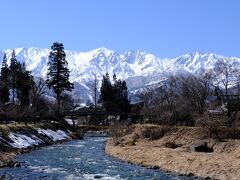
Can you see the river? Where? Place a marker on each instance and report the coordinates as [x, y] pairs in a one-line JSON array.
[[79, 159]]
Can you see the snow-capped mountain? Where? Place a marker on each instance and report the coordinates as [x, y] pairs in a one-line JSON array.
[[139, 69]]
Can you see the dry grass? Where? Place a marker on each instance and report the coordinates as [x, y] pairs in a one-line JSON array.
[[118, 130], [223, 163], [151, 132]]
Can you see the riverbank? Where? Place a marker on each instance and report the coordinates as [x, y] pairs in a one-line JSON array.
[[79, 159], [20, 138], [170, 151]]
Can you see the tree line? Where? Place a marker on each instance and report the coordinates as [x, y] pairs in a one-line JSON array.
[[17, 79], [186, 98], [114, 96], [25, 91], [21, 94]]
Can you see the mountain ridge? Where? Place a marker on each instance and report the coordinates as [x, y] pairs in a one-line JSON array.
[[139, 68]]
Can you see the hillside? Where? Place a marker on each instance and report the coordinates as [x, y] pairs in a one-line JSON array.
[[140, 69]]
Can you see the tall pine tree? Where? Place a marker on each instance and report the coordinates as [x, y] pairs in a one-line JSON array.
[[14, 71], [58, 72], [121, 95], [106, 89], [17, 78], [124, 102], [24, 85], [114, 96], [4, 81]]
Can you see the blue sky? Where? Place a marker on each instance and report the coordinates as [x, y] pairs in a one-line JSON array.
[[166, 28]]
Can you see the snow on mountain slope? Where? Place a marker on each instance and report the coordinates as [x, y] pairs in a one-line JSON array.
[[1, 55], [200, 62], [139, 69]]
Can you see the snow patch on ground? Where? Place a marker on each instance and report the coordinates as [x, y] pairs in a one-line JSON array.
[[23, 141], [54, 135], [70, 121]]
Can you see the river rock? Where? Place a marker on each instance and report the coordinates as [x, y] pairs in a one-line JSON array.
[[190, 175], [98, 177], [17, 164], [155, 167], [3, 177], [171, 145], [13, 164], [201, 146]]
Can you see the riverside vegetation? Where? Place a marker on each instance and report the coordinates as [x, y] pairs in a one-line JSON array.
[[174, 149], [29, 120], [43, 122], [189, 124]]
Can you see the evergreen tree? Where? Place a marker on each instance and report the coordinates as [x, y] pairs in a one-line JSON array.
[[114, 78], [121, 95], [24, 85], [106, 89], [125, 103], [58, 73], [4, 81], [114, 97], [14, 71]]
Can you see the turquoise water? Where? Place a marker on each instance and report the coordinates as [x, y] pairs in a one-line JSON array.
[[79, 159]]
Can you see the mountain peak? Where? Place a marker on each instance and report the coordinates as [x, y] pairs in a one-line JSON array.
[[103, 50], [139, 68]]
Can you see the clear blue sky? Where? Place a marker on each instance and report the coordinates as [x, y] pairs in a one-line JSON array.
[[166, 28]]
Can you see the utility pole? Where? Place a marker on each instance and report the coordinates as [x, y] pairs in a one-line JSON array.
[[95, 91]]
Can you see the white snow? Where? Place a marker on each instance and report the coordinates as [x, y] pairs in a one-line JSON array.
[[224, 107], [215, 111], [19, 140], [23, 141], [70, 121], [54, 135], [128, 66]]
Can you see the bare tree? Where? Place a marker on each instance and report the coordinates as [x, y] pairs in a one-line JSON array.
[[196, 90], [224, 77], [160, 103], [172, 91], [95, 83], [38, 88], [146, 97], [237, 77], [165, 95], [214, 124]]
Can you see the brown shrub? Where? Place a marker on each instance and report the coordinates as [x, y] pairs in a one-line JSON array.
[[153, 132], [217, 126], [230, 133], [118, 130], [16, 113], [3, 117], [156, 133]]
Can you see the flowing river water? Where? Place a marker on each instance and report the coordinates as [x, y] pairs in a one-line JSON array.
[[79, 159]]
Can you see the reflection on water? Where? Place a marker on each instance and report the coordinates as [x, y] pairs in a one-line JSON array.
[[79, 159]]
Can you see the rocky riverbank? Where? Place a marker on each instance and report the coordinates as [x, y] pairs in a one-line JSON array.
[[19, 138], [173, 150]]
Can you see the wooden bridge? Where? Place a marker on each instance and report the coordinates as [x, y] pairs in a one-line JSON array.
[[98, 113]]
